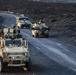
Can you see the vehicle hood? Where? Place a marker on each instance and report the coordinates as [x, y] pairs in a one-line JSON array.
[[23, 22], [15, 49]]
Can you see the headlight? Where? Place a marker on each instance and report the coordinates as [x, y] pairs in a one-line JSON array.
[[26, 54]]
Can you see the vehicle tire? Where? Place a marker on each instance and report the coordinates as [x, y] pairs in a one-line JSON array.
[[36, 35], [2, 65], [28, 65], [21, 27], [18, 27]]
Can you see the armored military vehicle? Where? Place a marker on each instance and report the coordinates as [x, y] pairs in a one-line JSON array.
[[14, 51], [23, 22], [40, 29]]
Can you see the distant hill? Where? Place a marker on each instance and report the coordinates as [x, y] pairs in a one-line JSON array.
[[57, 1], [25, 6]]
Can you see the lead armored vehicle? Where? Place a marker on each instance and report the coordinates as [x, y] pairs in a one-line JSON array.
[[14, 51]]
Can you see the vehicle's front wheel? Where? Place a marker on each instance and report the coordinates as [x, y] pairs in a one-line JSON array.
[[36, 35], [28, 65], [2, 65]]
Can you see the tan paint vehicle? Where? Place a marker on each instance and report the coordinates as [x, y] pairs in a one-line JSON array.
[[14, 52], [23, 22], [40, 29]]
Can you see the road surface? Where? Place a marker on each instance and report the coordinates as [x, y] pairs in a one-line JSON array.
[[49, 56]]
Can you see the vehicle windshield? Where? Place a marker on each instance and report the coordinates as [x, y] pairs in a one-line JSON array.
[[17, 42], [40, 28], [8, 43], [45, 28], [22, 21], [25, 18], [28, 22], [11, 43]]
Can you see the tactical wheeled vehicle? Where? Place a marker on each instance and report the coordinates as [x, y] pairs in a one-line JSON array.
[[23, 22], [40, 29], [14, 50]]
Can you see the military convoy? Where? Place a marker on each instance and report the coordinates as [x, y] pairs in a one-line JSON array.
[[39, 29], [14, 50]]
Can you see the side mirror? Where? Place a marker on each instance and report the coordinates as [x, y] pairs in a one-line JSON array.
[[24, 42], [18, 31]]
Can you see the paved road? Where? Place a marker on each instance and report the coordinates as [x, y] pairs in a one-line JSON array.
[[49, 56]]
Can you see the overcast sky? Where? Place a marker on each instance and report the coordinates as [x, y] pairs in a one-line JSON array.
[[74, 1]]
